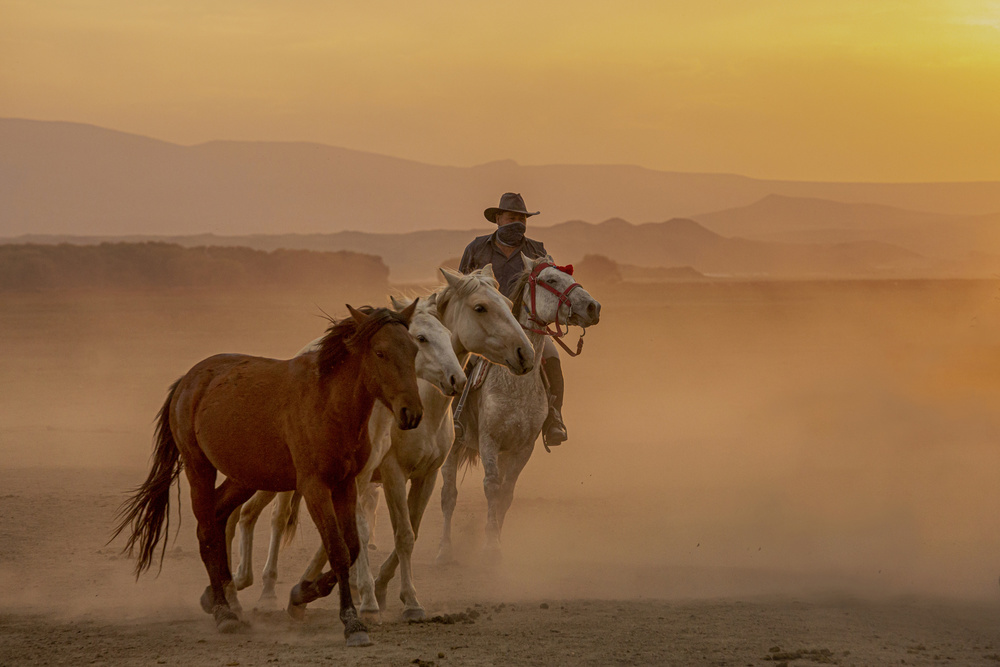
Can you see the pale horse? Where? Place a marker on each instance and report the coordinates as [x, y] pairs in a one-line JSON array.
[[480, 322], [504, 417]]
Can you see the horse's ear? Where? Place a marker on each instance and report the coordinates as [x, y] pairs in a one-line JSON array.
[[358, 316], [452, 279], [398, 304], [488, 271], [528, 262], [407, 313]]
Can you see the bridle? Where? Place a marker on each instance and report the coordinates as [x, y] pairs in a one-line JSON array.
[[564, 300]]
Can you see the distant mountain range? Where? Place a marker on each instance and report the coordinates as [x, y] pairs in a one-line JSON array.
[[413, 257], [810, 220], [65, 182], [70, 178]]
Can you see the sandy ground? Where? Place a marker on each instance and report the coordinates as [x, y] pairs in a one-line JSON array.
[[757, 474]]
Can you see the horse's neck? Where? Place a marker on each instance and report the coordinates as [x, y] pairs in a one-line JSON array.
[[537, 340], [347, 397], [447, 318]]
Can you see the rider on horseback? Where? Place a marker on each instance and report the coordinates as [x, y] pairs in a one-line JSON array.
[[503, 250]]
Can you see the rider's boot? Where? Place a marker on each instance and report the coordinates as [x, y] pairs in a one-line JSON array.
[[554, 430]]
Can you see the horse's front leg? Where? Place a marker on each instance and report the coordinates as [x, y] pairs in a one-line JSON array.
[[416, 503], [488, 454], [511, 465], [361, 570], [449, 498], [394, 488], [333, 513], [345, 504]]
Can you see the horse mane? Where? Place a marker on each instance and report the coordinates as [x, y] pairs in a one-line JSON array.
[[344, 336], [518, 291], [468, 284]]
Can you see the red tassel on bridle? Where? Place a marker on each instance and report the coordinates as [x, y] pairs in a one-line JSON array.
[[568, 269]]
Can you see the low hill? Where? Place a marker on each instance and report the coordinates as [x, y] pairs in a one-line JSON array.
[[413, 257], [819, 221], [154, 265]]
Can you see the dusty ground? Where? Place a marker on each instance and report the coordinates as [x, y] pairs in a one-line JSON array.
[[804, 472]]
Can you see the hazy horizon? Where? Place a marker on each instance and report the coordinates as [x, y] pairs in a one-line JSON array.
[[888, 91], [500, 160]]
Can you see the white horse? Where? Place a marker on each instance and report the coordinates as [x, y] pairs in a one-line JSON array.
[[480, 321], [504, 417]]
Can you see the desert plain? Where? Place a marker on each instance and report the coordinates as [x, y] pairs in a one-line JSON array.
[[758, 473]]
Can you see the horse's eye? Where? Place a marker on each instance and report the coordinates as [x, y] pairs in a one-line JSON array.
[[421, 338], [380, 355], [480, 308], [551, 281]]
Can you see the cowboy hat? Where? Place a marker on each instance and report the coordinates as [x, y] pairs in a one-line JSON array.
[[510, 201]]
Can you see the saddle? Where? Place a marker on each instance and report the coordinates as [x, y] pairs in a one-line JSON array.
[[477, 369]]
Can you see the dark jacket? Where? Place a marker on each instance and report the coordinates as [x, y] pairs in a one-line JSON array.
[[483, 251]]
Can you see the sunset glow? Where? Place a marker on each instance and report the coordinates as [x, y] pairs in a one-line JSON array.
[[811, 90]]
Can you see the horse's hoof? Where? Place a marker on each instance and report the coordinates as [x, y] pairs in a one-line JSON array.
[[492, 555], [296, 611], [226, 621], [297, 596], [206, 601], [444, 557], [359, 638], [414, 614], [268, 601], [373, 617]]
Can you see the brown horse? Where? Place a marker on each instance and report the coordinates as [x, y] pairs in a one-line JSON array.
[[278, 425]]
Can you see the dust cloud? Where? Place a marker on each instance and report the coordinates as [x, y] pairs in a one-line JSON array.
[[726, 438]]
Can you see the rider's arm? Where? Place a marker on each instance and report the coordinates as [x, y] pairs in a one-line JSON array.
[[467, 263]]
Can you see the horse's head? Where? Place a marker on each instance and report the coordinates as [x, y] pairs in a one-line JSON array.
[[436, 361], [388, 356], [479, 318], [554, 296]]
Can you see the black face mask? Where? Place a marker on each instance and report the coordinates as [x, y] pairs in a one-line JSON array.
[[512, 234]]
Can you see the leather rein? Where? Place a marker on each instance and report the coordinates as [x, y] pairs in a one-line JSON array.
[[564, 299]]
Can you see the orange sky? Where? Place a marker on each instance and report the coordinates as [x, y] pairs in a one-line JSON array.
[[896, 90]]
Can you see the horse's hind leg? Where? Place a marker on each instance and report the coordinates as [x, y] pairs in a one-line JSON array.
[[247, 520], [211, 541], [228, 497], [281, 510], [449, 498]]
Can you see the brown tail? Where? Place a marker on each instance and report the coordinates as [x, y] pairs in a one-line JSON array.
[[147, 511], [293, 519]]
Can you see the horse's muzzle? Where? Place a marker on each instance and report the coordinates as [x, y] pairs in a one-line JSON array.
[[525, 362], [587, 317], [408, 419]]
